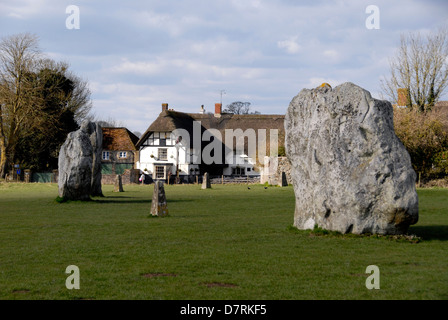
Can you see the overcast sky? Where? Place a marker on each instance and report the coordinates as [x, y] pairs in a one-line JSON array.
[[137, 55]]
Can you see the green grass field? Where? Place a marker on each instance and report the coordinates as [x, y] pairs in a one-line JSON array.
[[227, 242]]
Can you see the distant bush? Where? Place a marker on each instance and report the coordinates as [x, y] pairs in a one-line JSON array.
[[425, 136]]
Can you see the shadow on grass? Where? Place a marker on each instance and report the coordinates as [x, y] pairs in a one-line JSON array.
[[118, 200], [430, 232], [122, 201]]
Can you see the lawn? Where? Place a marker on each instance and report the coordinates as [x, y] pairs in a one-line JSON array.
[[228, 242]]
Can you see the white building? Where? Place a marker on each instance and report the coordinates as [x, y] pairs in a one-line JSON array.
[[195, 143]]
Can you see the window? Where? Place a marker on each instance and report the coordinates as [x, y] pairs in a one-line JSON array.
[[162, 139], [238, 171], [160, 172], [159, 139], [106, 155], [122, 154], [163, 154]]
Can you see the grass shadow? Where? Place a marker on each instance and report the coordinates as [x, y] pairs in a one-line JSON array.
[[122, 201], [430, 232], [137, 200]]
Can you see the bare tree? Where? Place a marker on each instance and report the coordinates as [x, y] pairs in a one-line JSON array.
[[239, 107], [18, 56], [27, 83], [420, 67]]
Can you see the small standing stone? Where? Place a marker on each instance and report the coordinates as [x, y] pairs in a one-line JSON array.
[[159, 206], [118, 186], [206, 182], [284, 181]]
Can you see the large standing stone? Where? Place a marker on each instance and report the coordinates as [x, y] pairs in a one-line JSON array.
[[75, 167], [350, 172], [158, 205], [206, 182], [96, 138]]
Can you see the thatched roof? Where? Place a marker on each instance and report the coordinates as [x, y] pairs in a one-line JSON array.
[[442, 104], [119, 139], [170, 120]]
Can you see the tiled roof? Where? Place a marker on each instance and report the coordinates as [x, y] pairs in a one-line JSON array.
[[119, 139]]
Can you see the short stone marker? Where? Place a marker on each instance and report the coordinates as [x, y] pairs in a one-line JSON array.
[[118, 185], [206, 182], [283, 181], [158, 206]]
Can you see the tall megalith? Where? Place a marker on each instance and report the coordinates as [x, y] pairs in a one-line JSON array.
[[75, 166], [349, 170]]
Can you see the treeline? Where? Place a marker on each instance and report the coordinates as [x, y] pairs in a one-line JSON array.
[[41, 101]]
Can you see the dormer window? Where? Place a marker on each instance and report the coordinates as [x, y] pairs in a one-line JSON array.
[[122, 154], [159, 139]]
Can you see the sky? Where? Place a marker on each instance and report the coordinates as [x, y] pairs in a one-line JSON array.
[[136, 55]]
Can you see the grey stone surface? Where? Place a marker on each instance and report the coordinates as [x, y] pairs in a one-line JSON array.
[[95, 133], [159, 206], [75, 167], [206, 182], [349, 170], [118, 185]]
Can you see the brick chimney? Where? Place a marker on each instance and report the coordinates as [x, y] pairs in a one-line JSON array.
[[402, 100], [218, 107], [164, 107]]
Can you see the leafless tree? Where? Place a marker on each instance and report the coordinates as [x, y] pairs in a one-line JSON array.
[[239, 107], [18, 56], [22, 92], [420, 67]]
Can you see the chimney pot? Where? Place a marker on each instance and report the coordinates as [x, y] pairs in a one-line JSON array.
[[164, 107], [218, 107]]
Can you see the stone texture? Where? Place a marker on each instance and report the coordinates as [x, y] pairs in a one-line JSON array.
[[349, 170], [159, 206], [95, 133], [118, 185], [75, 167], [206, 182]]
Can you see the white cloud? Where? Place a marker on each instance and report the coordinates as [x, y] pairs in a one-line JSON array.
[[290, 45], [331, 54], [23, 9]]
